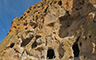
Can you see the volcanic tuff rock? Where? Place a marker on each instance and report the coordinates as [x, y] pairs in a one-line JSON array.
[[53, 29]]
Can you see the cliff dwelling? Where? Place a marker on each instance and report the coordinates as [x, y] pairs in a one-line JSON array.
[[50, 54], [53, 30]]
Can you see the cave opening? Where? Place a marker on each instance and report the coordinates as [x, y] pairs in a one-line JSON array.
[[12, 45], [50, 54], [76, 50]]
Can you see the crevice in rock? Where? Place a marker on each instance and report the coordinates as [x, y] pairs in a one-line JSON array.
[[76, 49], [34, 44], [46, 9], [78, 39], [16, 50]]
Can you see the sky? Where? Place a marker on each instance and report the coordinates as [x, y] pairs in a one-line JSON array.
[[10, 9]]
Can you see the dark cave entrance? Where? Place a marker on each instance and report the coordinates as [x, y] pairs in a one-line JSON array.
[[12, 45], [76, 50], [50, 54]]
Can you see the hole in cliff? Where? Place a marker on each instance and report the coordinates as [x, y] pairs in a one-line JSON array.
[[21, 17], [60, 3], [38, 6], [50, 54], [61, 51], [26, 41], [77, 9], [37, 36], [76, 50], [68, 13], [89, 36], [11, 46], [68, 25], [34, 44], [15, 27], [26, 28], [80, 44], [28, 11]]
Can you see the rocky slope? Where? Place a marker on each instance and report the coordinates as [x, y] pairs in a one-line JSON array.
[[53, 29]]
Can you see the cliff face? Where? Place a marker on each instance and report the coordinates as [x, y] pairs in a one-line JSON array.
[[53, 29]]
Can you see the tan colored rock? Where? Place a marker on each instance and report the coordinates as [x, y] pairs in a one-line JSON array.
[[53, 29]]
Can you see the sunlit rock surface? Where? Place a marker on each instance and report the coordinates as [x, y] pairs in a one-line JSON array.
[[53, 30]]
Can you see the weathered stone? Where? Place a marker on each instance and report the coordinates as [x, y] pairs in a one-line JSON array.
[[53, 29]]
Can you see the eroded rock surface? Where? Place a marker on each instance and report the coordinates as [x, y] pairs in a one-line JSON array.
[[53, 29]]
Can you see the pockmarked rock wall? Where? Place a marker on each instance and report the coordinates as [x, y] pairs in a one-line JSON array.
[[53, 29]]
